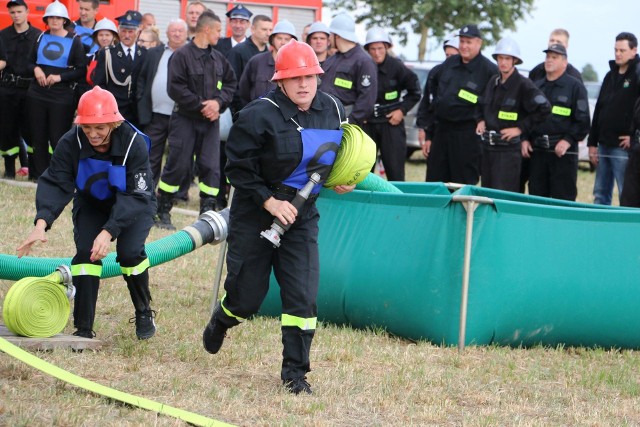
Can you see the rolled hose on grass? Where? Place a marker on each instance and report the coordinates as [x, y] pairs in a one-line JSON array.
[[355, 158], [39, 306]]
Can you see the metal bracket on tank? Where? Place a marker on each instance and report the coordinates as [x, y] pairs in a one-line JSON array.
[[470, 204]]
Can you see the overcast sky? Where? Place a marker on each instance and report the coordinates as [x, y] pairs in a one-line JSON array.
[[593, 25]]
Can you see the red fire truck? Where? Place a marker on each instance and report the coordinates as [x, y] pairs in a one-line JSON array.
[[299, 12], [108, 8]]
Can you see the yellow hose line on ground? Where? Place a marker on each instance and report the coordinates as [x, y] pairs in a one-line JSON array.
[[91, 386]]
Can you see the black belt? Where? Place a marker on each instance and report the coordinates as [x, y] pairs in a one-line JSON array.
[[289, 191], [493, 138], [546, 141], [12, 80]]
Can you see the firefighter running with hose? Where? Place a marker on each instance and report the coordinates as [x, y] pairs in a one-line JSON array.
[[274, 146], [103, 165]]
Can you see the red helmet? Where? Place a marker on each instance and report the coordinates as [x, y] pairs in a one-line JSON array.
[[296, 59], [97, 106]]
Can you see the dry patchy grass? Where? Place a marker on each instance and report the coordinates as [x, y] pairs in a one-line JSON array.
[[360, 377]]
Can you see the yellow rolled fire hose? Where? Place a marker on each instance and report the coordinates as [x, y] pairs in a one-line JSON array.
[[354, 160], [38, 307]]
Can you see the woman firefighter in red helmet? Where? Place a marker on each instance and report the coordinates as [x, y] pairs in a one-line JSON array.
[[102, 163], [276, 143]]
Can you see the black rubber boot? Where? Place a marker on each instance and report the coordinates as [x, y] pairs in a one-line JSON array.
[[208, 204], [141, 297], [165, 204], [84, 304], [214, 333], [10, 167], [297, 385]]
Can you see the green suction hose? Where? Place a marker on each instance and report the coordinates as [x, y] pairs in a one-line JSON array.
[[211, 227], [39, 306]]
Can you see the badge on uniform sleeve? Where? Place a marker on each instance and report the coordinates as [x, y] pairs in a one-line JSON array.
[[366, 80], [142, 183]]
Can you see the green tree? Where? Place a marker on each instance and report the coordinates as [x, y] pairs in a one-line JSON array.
[[436, 18], [589, 74]]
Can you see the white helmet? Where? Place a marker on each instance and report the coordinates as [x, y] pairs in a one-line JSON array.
[[56, 9], [283, 27], [452, 40], [377, 34], [344, 26], [104, 24], [507, 46], [317, 27]]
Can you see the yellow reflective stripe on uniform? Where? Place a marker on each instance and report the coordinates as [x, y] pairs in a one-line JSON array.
[[505, 115], [86, 270], [228, 313], [50, 149], [561, 111], [468, 96], [343, 83], [300, 322], [210, 191], [168, 188], [219, 85], [138, 269], [10, 152], [29, 149], [391, 95]]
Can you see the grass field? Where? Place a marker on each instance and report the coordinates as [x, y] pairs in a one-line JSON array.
[[359, 377]]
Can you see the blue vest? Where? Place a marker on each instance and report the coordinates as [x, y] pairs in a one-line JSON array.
[[319, 149], [54, 50]]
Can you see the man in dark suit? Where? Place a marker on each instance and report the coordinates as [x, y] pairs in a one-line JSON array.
[[154, 104], [238, 21], [118, 66]]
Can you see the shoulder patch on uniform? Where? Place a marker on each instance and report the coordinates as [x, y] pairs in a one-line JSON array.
[[366, 80], [141, 182], [540, 99], [583, 105]]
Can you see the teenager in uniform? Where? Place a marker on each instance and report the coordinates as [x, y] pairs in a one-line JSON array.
[[350, 74], [398, 92], [18, 40], [103, 165], [272, 149], [58, 63], [201, 82], [511, 106]]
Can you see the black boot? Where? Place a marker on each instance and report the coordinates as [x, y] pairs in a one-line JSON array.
[[214, 333], [208, 203], [141, 297], [165, 204], [84, 304], [10, 167]]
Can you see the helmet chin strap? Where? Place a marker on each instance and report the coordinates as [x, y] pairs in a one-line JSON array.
[[282, 88], [105, 140]]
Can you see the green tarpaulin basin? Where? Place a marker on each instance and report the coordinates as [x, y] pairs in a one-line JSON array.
[[539, 271]]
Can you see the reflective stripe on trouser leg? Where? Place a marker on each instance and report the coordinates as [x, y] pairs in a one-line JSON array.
[[229, 313], [189, 137], [249, 263], [296, 267], [86, 279]]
